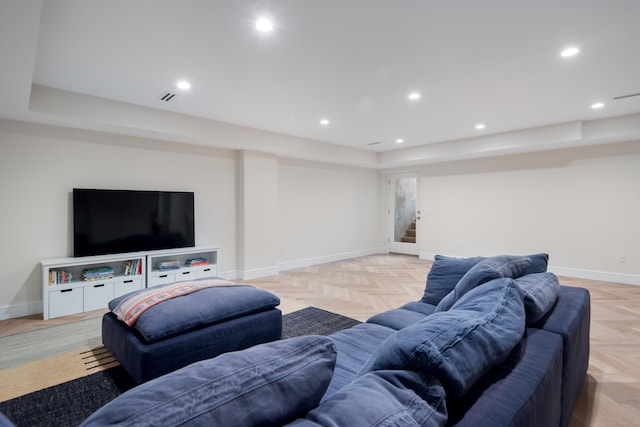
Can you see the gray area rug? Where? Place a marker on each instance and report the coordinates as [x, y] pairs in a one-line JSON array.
[[48, 342], [70, 403]]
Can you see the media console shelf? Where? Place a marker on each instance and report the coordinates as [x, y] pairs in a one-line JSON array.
[[65, 291], [179, 268]]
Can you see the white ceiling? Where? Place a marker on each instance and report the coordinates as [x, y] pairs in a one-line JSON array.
[[352, 61]]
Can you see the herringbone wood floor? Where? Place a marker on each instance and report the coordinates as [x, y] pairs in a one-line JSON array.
[[361, 287]]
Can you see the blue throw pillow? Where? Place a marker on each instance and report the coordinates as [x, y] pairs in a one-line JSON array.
[[540, 294], [269, 384], [486, 270], [458, 346], [539, 263], [445, 273], [383, 398]]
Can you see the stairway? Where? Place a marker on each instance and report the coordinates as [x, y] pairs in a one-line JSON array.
[[409, 234]]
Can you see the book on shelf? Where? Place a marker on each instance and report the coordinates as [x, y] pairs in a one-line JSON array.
[[173, 264], [133, 267], [192, 262], [97, 273], [59, 277]]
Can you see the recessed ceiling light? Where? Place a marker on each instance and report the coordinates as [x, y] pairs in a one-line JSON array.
[[399, 141], [597, 105], [480, 126], [570, 51], [414, 96], [264, 25], [324, 122], [183, 84]]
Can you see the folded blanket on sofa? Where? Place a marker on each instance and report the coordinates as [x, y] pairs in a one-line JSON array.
[[131, 307]]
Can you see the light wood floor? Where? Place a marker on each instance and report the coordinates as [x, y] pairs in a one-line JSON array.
[[361, 287]]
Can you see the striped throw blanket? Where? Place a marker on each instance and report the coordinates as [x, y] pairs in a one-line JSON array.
[[130, 308]]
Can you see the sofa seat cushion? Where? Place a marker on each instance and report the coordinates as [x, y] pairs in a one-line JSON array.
[[404, 316], [420, 307], [458, 346], [521, 391], [383, 398], [354, 347], [202, 308], [269, 384]]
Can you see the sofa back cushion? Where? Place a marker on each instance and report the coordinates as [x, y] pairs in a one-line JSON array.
[[458, 346], [269, 384], [539, 263], [447, 271], [444, 275], [484, 271]]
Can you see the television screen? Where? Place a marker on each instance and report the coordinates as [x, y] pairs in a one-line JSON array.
[[118, 221]]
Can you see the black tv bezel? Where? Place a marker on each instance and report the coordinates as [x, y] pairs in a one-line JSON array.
[[192, 240]]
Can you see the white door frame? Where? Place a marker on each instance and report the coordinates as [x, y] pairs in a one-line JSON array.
[[392, 244]]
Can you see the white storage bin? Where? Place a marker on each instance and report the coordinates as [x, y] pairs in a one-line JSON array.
[[97, 295]]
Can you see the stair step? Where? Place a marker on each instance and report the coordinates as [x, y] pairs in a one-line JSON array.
[[407, 239]]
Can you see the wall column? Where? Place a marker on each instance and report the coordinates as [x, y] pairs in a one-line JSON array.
[[258, 214]]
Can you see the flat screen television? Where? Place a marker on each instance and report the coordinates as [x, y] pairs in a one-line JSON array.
[[119, 221]]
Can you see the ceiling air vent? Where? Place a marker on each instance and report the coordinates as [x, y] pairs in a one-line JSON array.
[[626, 96], [167, 96], [374, 143]]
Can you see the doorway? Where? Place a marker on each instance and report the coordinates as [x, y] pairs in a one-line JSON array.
[[403, 214]]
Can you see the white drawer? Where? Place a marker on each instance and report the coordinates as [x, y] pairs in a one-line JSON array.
[[161, 278], [97, 295], [185, 274], [206, 271], [126, 284], [64, 302]]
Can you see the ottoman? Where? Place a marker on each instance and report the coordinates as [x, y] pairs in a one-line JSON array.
[[192, 327]]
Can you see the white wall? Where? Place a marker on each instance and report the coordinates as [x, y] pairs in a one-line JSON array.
[[317, 212], [39, 167], [327, 212], [580, 205]]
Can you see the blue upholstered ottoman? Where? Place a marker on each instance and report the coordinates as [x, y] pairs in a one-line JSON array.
[[192, 327]]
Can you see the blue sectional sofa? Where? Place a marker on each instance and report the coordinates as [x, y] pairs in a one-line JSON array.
[[492, 342]]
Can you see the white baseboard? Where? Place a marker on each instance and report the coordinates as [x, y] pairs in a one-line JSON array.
[[604, 276], [307, 262], [229, 275], [35, 307], [258, 273], [578, 273], [20, 310], [427, 255]]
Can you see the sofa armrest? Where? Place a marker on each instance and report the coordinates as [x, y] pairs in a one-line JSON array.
[[571, 319]]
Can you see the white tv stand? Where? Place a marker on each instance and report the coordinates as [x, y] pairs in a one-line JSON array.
[[78, 296]]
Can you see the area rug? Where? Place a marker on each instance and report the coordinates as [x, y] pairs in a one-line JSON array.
[[70, 403], [47, 342]]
